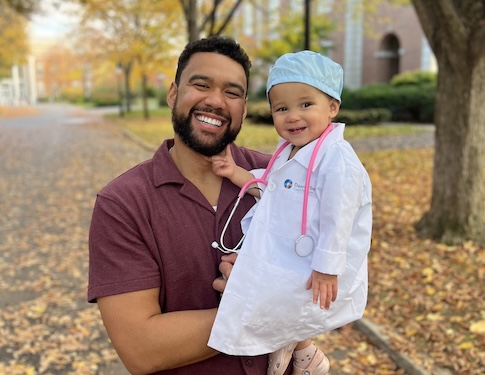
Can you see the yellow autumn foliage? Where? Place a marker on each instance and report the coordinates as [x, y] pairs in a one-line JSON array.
[[13, 39]]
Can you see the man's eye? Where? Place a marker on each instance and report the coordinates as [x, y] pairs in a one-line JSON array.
[[233, 94]]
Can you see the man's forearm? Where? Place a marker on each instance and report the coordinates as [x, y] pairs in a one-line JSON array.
[[148, 341], [178, 339]]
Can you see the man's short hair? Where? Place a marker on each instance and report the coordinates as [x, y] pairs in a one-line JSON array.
[[216, 44]]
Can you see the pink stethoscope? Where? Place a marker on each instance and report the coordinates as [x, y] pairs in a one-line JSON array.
[[303, 244]]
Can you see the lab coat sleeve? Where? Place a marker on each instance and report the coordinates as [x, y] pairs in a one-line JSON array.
[[341, 197], [257, 173]]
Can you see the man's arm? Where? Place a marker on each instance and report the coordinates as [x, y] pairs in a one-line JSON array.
[[147, 340]]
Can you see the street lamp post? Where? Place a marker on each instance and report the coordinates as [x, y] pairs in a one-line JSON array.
[[307, 24], [119, 72]]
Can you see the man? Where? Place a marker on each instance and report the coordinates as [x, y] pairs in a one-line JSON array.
[[152, 266]]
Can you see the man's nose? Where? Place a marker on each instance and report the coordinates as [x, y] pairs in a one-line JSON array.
[[215, 99]]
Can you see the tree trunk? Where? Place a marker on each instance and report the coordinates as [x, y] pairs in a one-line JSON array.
[[127, 72], [457, 35], [144, 90], [457, 204], [191, 17], [209, 20]]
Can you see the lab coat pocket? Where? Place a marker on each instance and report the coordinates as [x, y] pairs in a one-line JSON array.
[[272, 297]]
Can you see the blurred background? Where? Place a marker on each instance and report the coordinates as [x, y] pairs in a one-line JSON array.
[[116, 52]]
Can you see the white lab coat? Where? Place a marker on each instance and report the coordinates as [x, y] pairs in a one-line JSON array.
[[265, 304]]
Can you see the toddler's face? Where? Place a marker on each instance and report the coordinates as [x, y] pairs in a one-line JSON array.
[[301, 112]]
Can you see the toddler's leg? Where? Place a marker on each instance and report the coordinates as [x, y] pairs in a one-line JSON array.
[[279, 360], [309, 360]]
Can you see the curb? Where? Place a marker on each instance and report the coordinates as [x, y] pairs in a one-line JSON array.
[[381, 341], [147, 146]]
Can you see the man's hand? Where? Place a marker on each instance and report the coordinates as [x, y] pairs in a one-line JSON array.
[[227, 262]]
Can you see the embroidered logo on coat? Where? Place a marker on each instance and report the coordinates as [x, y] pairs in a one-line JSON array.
[[288, 184]]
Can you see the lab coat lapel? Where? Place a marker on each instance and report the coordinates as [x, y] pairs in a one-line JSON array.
[[304, 155]]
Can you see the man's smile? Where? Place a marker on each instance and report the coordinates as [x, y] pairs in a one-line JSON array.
[[209, 120]]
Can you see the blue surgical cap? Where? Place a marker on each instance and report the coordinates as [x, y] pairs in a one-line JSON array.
[[310, 68]]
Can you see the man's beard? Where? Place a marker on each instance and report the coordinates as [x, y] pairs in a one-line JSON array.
[[184, 129]]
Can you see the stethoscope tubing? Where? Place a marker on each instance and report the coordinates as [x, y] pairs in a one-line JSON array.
[[306, 193], [264, 180]]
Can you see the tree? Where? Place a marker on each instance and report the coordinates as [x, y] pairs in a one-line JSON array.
[[292, 36], [13, 38], [62, 71], [456, 33], [23, 7], [155, 30], [214, 17], [131, 32]]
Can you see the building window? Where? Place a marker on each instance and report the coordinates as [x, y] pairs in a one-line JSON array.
[[388, 58]]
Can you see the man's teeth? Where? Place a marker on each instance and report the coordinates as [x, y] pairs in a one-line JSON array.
[[209, 120]]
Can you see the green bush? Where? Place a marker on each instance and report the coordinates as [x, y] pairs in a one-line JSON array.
[[259, 94], [408, 102], [104, 96], [151, 92], [162, 98], [259, 113], [73, 95], [363, 116], [417, 77]]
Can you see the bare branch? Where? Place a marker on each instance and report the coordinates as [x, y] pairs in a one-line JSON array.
[[229, 17]]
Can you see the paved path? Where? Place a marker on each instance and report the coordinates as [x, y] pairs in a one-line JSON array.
[[51, 167], [418, 140]]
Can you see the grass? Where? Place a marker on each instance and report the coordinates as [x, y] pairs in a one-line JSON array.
[[256, 136]]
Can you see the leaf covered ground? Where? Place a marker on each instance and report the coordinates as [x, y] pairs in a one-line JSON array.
[[426, 297]]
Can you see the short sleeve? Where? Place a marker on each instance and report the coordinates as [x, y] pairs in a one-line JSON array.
[[119, 258]]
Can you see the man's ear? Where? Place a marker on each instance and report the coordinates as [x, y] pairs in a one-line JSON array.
[[172, 95], [245, 113]]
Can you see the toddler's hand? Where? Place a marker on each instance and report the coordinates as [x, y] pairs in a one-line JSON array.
[[223, 164], [324, 287]]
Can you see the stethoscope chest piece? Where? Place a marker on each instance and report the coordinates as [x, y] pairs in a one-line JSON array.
[[304, 245]]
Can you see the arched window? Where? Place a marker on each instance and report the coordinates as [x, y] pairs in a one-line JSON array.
[[388, 58]]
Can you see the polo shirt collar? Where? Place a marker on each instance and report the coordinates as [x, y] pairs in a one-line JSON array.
[[164, 169]]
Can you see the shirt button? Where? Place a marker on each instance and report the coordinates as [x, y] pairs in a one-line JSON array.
[[271, 186], [249, 363]]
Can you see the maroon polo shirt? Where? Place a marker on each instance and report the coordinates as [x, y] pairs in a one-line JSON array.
[[152, 228]]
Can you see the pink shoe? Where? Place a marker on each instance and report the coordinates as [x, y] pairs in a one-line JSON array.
[[279, 360], [319, 365]]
